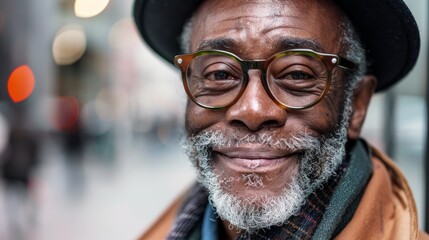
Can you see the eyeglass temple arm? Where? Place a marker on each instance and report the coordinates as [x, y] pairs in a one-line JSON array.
[[347, 64]]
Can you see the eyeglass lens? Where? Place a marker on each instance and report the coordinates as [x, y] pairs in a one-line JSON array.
[[294, 79]]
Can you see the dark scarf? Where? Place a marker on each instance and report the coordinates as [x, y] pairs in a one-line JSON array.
[[302, 225]]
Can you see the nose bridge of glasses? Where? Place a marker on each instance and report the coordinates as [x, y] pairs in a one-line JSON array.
[[256, 64]]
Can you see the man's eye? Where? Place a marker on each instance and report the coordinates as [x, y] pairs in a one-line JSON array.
[[299, 76], [220, 75]]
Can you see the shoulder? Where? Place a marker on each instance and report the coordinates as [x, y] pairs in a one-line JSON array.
[[387, 209], [160, 228], [177, 219]]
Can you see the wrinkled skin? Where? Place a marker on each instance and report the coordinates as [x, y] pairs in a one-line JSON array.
[[256, 30]]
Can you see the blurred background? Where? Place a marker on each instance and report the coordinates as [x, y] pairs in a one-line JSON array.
[[90, 122]]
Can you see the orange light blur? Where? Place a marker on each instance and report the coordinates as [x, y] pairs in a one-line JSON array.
[[21, 83]]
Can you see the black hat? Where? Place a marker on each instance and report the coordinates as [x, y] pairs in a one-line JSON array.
[[387, 29]]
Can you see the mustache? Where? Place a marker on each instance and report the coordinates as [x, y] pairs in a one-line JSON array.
[[208, 140]]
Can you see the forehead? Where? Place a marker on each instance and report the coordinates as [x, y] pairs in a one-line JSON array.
[[258, 29]]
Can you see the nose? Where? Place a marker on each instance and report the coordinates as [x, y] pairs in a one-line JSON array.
[[255, 109]]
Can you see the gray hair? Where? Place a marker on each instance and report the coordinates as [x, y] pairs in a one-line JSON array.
[[353, 50], [185, 37]]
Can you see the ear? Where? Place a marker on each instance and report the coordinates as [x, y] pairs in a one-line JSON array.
[[361, 98]]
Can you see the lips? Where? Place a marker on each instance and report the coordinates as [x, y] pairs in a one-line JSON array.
[[253, 159]]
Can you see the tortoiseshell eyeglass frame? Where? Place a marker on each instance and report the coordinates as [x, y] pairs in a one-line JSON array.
[[329, 60]]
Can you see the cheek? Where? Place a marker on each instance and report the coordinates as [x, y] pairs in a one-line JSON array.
[[326, 119], [325, 116], [198, 118], [331, 108]]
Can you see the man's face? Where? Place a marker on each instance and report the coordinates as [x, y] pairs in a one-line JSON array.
[[252, 154]]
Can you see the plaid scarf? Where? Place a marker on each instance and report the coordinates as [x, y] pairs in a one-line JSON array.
[[302, 225]]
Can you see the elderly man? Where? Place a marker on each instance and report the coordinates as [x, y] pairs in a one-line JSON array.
[[278, 92]]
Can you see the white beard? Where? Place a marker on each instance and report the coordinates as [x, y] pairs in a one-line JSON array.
[[320, 158]]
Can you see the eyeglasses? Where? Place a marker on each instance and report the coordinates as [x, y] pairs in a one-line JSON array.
[[294, 79]]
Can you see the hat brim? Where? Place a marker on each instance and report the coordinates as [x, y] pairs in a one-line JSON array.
[[387, 28]]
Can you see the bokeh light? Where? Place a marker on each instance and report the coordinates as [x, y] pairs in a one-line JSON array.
[[111, 103], [120, 29], [89, 8], [69, 44], [92, 123], [21, 83], [65, 113]]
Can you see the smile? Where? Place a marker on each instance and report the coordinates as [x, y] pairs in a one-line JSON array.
[[245, 160]]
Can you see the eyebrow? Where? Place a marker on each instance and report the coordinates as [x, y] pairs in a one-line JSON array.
[[291, 43], [283, 44], [218, 43]]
